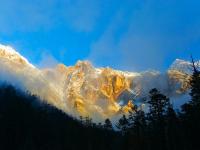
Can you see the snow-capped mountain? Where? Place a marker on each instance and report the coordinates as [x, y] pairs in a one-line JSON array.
[[182, 66], [83, 90]]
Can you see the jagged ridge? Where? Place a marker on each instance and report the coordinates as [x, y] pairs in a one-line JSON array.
[[88, 91]]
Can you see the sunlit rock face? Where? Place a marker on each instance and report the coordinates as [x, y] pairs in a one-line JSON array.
[[83, 90], [89, 91]]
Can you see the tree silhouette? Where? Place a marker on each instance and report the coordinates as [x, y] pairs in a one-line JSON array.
[[138, 129], [195, 86], [108, 124], [123, 124], [158, 104], [191, 111], [172, 130]]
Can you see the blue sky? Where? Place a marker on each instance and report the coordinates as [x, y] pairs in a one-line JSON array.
[[131, 35]]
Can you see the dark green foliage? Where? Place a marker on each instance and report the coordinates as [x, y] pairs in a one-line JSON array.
[[190, 115], [173, 130], [195, 87], [137, 129], [123, 124], [108, 124], [157, 105], [28, 124]]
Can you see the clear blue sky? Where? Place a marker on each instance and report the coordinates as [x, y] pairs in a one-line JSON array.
[[130, 35]]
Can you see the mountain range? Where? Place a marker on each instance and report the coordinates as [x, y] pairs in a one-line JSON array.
[[83, 90]]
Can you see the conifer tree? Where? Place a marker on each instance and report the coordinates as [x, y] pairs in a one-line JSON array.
[[195, 85], [108, 124], [123, 124], [172, 129], [158, 104], [191, 110]]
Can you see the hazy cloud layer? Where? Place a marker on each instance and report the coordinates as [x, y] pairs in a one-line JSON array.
[[47, 60], [155, 31]]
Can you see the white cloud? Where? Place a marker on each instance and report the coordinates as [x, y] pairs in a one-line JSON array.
[[47, 60]]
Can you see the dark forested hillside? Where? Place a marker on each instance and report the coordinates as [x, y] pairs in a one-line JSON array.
[[28, 124]]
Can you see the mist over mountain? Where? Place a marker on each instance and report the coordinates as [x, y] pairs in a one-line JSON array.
[[83, 90]]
